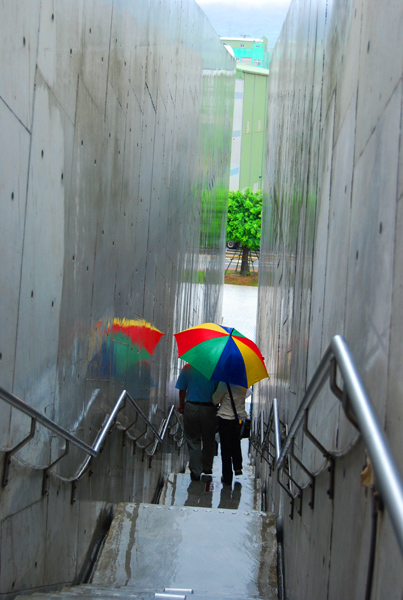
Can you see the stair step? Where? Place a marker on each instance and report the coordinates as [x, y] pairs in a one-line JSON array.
[[220, 553], [108, 594], [94, 592]]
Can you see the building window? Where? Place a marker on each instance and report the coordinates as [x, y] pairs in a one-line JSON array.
[[242, 45], [237, 58], [257, 63], [257, 46]]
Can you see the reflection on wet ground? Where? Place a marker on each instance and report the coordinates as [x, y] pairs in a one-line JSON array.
[[243, 494], [204, 537]]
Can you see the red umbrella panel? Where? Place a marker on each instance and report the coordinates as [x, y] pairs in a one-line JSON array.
[[222, 354]]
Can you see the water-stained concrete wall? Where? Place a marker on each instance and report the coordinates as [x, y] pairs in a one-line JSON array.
[[331, 263], [115, 121]]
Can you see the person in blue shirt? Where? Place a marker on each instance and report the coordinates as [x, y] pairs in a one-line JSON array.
[[199, 419]]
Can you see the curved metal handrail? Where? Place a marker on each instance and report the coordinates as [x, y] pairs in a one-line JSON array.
[[48, 423], [356, 401], [91, 451]]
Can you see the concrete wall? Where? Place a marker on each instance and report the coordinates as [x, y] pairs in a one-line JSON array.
[[115, 121], [331, 262]]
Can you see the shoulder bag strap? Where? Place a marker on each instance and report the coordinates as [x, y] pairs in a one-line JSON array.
[[232, 401]]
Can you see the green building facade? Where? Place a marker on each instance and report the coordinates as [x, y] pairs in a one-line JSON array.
[[249, 128], [252, 52]]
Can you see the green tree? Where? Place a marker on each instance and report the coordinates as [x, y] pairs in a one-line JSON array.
[[244, 222]]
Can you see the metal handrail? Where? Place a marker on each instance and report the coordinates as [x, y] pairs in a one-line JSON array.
[[389, 482], [45, 421], [277, 437], [92, 451]]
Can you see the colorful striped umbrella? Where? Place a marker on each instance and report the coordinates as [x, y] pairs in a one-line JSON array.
[[222, 354]]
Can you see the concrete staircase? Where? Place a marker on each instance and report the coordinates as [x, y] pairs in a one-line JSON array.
[[194, 550]]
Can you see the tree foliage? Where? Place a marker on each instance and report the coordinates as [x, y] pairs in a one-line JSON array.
[[244, 218], [244, 222]]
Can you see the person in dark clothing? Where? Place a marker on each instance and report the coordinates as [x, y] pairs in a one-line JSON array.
[[199, 419]]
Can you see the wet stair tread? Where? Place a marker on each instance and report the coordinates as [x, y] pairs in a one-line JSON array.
[[149, 546], [155, 546], [93, 592], [204, 536]]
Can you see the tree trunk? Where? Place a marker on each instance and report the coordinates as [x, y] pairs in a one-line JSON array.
[[245, 261]]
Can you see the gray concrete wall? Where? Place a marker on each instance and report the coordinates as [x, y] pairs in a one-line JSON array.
[[331, 263], [116, 122]]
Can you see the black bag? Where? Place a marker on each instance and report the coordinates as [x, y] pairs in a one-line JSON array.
[[244, 424], [244, 431]]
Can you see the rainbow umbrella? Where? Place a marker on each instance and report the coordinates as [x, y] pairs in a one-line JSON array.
[[222, 354]]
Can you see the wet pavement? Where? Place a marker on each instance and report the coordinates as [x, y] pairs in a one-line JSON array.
[[243, 494], [205, 537], [239, 309], [215, 553]]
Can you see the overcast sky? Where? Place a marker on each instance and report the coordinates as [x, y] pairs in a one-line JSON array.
[[254, 18]]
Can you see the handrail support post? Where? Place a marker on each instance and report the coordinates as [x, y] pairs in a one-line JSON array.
[[325, 453], [337, 391], [46, 471], [291, 515], [341, 394], [10, 453], [311, 503], [73, 491]]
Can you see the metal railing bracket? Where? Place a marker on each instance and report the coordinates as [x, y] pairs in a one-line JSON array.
[[46, 471], [9, 454]]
